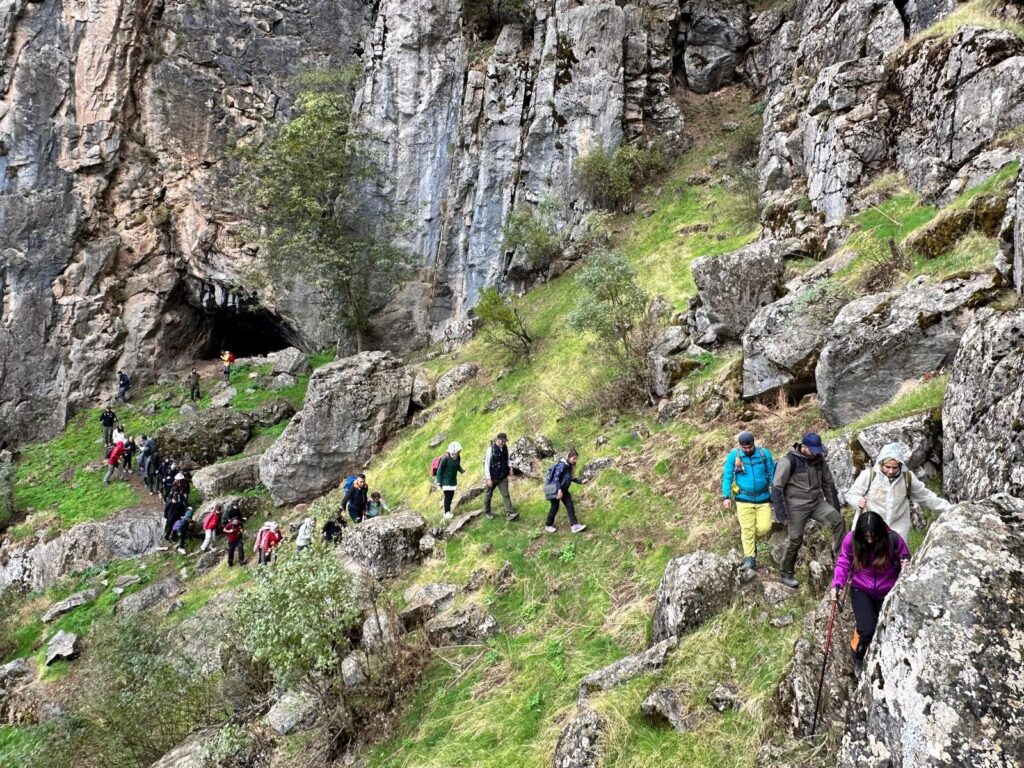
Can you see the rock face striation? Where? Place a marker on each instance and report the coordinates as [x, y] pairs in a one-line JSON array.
[[352, 406], [942, 682], [983, 413]]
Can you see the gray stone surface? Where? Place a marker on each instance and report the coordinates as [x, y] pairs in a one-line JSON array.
[[63, 645], [983, 410], [468, 624], [425, 602], [227, 476], [665, 706], [454, 379], [715, 38], [289, 360], [150, 596], [191, 753], [693, 588], [891, 340], [385, 545], [294, 711], [355, 669], [732, 288], [272, 412], [524, 458], [37, 564], [941, 684], [627, 668], [209, 435], [381, 628], [352, 406], [69, 604], [580, 742]]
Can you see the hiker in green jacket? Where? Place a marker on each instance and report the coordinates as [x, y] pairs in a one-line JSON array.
[[448, 475]]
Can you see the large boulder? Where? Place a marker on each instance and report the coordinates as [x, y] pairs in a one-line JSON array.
[[469, 624], [272, 412], [38, 564], [385, 545], [782, 341], [983, 412], [227, 476], [290, 360], [63, 645], [693, 588], [294, 711], [352, 406], [425, 602], [453, 379], [732, 288], [716, 36], [891, 340], [942, 682], [209, 435]]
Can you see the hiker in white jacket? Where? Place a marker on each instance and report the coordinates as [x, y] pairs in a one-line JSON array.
[[888, 487]]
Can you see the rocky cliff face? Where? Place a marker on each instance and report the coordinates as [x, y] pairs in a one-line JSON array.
[[121, 244]]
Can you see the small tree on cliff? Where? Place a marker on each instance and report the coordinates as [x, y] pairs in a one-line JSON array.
[[307, 185]]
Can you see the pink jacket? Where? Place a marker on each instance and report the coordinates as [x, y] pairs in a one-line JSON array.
[[876, 582]]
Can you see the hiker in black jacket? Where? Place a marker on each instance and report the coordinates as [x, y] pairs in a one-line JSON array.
[[123, 383], [802, 490], [354, 501], [560, 476], [174, 509], [107, 420], [496, 474]]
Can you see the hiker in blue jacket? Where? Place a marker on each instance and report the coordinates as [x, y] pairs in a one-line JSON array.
[[561, 476], [747, 476]]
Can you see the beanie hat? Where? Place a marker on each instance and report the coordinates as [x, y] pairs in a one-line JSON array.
[[501, 436], [745, 438]]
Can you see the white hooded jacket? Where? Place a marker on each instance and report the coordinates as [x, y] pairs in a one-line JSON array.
[[889, 498]]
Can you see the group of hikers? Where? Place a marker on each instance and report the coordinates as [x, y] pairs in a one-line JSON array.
[[799, 487]]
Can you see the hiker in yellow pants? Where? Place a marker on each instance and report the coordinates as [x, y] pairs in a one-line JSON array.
[[747, 476]]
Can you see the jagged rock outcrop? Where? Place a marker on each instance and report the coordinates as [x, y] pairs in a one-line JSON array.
[[469, 624], [69, 604], [1010, 261], [715, 33], [941, 682], [665, 706], [894, 338], [385, 545], [37, 565], [693, 588], [425, 602], [983, 411], [209, 435], [63, 645], [150, 596], [272, 412], [352, 406], [731, 289], [627, 668], [293, 711], [453, 379], [579, 745], [227, 476]]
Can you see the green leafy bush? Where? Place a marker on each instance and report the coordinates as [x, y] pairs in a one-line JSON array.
[[501, 321], [533, 231], [610, 180]]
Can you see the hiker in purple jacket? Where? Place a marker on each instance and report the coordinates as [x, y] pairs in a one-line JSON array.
[[870, 560]]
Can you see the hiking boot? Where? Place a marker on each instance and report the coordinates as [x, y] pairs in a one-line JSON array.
[[788, 580], [749, 564], [489, 515], [510, 518], [448, 515], [858, 664], [181, 551], [579, 528], [549, 529]]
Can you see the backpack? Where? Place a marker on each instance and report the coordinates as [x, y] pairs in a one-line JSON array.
[[436, 465], [349, 482], [231, 357], [550, 486]]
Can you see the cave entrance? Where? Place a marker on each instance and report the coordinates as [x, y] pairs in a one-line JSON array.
[[248, 331]]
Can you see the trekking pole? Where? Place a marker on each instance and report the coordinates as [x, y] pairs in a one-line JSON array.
[[824, 664]]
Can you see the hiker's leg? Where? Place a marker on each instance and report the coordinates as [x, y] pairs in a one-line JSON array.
[[353, 515], [797, 523], [110, 473], [746, 513], [826, 514], [570, 508], [167, 530], [505, 498], [207, 540], [488, 493], [552, 511], [762, 520], [865, 612], [448, 496], [108, 433]]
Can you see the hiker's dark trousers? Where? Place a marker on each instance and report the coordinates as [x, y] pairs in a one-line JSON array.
[[501, 486], [865, 612], [236, 546], [169, 528], [821, 512], [108, 435], [570, 508], [194, 392], [448, 496]]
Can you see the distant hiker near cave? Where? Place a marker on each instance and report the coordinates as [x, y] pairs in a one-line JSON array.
[[227, 358], [888, 488], [123, 384], [193, 385], [802, 490], [556, 491], [496, 475], [870, 561], [747, 477]]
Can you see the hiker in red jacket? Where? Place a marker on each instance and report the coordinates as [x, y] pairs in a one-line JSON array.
[[233, 532], [113, 461], [267, 539], [210, 525]]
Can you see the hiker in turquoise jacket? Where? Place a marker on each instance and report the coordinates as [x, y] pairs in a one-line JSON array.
[[747, 476]]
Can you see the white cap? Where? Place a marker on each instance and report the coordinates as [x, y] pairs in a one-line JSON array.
[[454, 447]]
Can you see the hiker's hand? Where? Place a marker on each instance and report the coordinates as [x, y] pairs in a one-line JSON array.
[[862, 502], [490, 483], [727, 503], [559, 495], [835, 594], [584, 482]]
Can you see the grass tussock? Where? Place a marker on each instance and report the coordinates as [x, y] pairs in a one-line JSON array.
[[978, 13]]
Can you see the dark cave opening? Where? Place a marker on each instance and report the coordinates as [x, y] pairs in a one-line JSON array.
[[247, 331]]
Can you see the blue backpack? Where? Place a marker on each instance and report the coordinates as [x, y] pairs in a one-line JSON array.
[[349, 482]]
